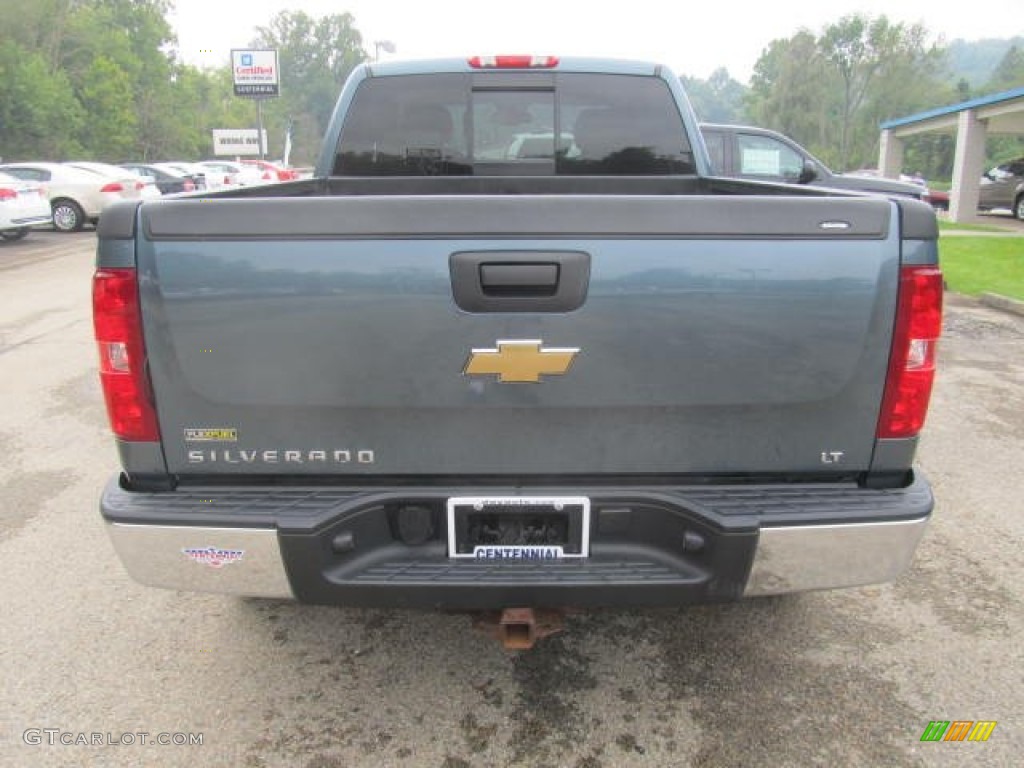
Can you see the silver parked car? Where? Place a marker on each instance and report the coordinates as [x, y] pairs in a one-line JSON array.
[[197, 173]]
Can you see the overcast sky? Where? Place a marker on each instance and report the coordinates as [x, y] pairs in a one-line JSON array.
[[691, 38]]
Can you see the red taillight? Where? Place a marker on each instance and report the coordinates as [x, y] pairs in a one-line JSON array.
[[114, 186], [513, 62], [267, 176], [118, 326], [918, 326], [8, 194]]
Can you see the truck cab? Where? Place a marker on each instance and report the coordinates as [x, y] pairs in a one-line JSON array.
[[748, 152]]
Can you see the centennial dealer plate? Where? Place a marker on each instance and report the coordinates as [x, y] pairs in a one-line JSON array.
[[518, 528]]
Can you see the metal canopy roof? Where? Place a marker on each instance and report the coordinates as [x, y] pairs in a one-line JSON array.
[[1004, 113]]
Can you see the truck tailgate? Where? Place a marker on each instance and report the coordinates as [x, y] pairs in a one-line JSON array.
[[325, 336]]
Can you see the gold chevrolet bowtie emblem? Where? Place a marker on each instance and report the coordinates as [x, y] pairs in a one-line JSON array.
[[520, 361]]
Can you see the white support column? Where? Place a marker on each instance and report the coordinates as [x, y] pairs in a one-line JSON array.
[[890, 155], [968, 165]]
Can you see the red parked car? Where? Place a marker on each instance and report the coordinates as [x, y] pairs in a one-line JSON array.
[[272, 171]]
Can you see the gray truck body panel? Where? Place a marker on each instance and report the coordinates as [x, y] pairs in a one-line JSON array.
[[704, 347]]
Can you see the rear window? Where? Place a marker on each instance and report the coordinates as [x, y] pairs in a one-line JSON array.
[[462, 124]]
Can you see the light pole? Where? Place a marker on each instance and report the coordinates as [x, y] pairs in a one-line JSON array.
[[386, 45]]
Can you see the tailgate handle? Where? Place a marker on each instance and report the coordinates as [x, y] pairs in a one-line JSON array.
[[519, 281], [526, 279]]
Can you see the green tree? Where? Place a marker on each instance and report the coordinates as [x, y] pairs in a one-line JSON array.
[[881, 67], [790, 92], [1009, 73], [719, 99], [316, 55], [106, 96], [39, 110], [38, 26], [207, 98], [890, 97], [830, 91], [135, 35], [976, 61], [100, 79], [39, 114]]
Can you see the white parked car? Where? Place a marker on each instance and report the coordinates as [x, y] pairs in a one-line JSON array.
[[233, 174], [23, 204], [134, 184], [77, 196]]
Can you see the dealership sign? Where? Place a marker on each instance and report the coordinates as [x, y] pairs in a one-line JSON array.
[[255, 72], [237, 141]]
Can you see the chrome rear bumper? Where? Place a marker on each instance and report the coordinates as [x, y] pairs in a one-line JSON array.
[[249, 561], [649, 545], [237, 561], [802, 558]]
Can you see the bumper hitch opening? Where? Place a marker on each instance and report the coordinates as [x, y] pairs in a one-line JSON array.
[[519, 629]]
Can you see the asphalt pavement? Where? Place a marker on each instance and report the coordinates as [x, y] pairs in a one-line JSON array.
[[96, 669]]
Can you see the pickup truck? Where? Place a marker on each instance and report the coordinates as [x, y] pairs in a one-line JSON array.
[[748, 152], [442, 375]]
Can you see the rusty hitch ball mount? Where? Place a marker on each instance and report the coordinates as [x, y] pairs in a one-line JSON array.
[[519, 629]]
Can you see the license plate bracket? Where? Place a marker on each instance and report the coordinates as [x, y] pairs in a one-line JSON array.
[[532, 528]]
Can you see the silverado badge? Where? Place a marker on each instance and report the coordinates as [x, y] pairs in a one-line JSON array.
[[520, 361]]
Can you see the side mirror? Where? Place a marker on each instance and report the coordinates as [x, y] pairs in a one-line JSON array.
[[808, 174]]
